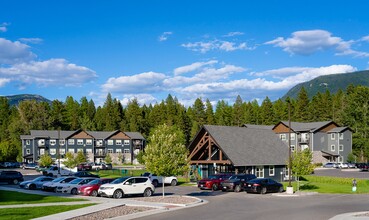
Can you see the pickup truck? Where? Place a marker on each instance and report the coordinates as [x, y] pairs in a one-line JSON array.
[[156, 180], [53, 171]]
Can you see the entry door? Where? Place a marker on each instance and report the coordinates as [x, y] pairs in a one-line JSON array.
[[42, 151]]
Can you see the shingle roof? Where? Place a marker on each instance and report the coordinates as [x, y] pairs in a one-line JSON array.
[[308, 126], [338, 130], [248, 146], [134, 135], [65, 134], [267, 127], [51, 134]]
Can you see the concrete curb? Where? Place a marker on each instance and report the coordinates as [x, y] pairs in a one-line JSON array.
[[351, 216]]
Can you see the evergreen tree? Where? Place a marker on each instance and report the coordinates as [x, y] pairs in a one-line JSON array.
[[267, 112], [209, 113], [72, 113], [133, 116], [302, 106], [57, 113], [4, 118], [238, 112]]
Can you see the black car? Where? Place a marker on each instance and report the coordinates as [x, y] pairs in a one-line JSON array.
[[11, 177], [262, 186], [85, 174], [236, 182]]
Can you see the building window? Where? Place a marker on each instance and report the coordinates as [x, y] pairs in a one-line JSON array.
[[71, 142], [340, 159], [41, 142], [88, 141], [99, 143], [126, 151], [110, 142], [52, 151], [79, 141], [61, 142], [110, 151], [89, 151], [28, 151], [126, 142], [52, 142], [340, 148], [62, 151], [79, 150], [118, 142], [333, 136], [293, 136], [341, 136], [28, 142], [259, 172], [333, 147], [282, 137], [118, 150], [71, 150], [271, 170], [304, 147], [293, 148], [42, 151]]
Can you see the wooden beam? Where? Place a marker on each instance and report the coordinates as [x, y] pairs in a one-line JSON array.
[[198, 147], [210, 162]]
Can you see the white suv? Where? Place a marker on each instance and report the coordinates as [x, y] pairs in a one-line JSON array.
[[126, 186], [158, 180]]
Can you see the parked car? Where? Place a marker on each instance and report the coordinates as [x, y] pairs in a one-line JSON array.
[[10, 165], [54, 171], [51, 186], [101, 166], [343, 165], [158, 180], [85, 174], [262, 186], [72, 186], [330, 165], [35, 183], [84, 166], [363, 166], [213, 181], [127, 186], [236, 182], [92, 188], [351, 165], [31, 166], [11, 177]]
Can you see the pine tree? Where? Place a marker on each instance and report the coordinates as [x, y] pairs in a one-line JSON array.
[[267, 112], [302, 106], [238, 112], [209, 113]]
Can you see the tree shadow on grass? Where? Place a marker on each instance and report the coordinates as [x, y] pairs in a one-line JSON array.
[[308, 186]]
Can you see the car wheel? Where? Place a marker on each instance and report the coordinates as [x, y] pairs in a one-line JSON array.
[[155, 183], [237, 188], [15, 181], [32, 187], [281, 189], [118, 194], [214, 187], [147, 192], [94, 193], [97, 169], [50, 175], [74, 191], [173, 183], [263, 190], [223, 190]]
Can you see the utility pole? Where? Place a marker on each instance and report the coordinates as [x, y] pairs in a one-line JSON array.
[[289, 145], [59, 152]]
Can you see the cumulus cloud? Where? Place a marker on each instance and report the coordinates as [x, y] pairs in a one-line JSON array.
[[48, 73], [3, 27], [192, 67], [164, 36], [14, 52], [140, 83], [312, 41], [232, 34], [204, 47], [31, 40], [141, 98], [4, 81]]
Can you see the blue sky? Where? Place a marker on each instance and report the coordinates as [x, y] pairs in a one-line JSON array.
[[189, 49]]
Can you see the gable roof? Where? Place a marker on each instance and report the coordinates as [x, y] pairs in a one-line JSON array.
[[338, 129], [53, 134], [267, 127], [306, 126], [134, 135], [248, 146]]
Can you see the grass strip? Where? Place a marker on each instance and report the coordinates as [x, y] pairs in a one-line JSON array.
[[36, 212], [14, 198]]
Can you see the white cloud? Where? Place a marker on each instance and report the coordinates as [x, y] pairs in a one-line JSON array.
[[3, 27], [14, 52], [204, 47], [141, 98], [232, 34], [192, 67], [48, 73], [4, 81], [307, 42], [365, 38], [164, 36], [31, 40], [140, 83]]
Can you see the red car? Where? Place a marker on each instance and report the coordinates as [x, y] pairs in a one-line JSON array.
[[91, 188], [213, 181]]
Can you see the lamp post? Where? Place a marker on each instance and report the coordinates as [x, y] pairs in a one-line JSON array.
[[59, 152], [289, 188]]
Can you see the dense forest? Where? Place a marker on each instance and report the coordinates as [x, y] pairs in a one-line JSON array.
[[347, 108]]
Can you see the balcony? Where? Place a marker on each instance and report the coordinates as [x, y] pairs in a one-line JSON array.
[[303, 140], [100, 154]]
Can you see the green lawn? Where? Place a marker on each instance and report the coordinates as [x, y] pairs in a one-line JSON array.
[[36, 212], [324, 184], [13, 198], [116, 173]]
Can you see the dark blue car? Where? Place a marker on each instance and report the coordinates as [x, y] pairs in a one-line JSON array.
[[262, 186]]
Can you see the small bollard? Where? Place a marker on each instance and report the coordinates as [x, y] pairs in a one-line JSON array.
[[354, 183]]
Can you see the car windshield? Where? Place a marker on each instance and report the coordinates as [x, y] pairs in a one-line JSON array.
[[58, 179], [119, 180], [234, 177], [214, 177], [76, 181], [38, 178], [93, 182]]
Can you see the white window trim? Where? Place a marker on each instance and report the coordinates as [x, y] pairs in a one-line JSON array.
[[271, 171], [333, 147], [118, 150], [293, 148], [126, 142], [71, 150], [88, 150], [110, 142], [52, 142], [261, 171], [52, 151], [70, 141], [28, 142], [282, 137], [118, 142], [333, 136], [340, 147], [340, 159], [62, 151], [61, 142], [28, 151], [126, 151], [341, 136], [110, 150], [293, 136], [79, 141], [88, 141]]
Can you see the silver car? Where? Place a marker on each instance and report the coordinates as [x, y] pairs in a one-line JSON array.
[[35, 183]]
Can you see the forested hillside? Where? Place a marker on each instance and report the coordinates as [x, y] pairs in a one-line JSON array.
[[347, 108], [332, 83]]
